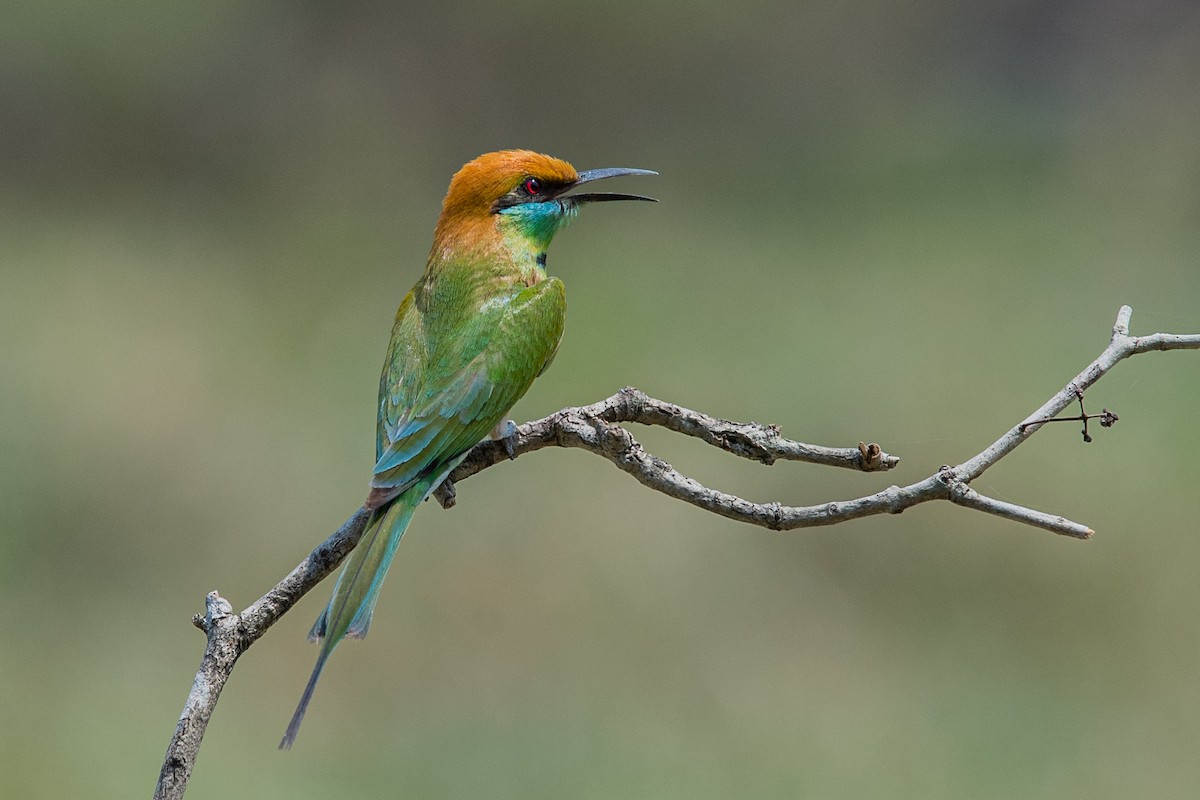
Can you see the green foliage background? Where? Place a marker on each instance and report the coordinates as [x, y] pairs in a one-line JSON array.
[[907, 223]]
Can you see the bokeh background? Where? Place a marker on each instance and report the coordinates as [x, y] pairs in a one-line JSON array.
[[901, 222]]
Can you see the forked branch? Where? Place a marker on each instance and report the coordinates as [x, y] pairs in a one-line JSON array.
[[598, 428]]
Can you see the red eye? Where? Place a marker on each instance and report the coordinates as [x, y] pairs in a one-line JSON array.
[[532, 186]]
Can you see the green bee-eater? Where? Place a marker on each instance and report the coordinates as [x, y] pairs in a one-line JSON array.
[[483, 321]]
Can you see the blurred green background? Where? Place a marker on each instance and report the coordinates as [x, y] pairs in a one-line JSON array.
[[907, 223]]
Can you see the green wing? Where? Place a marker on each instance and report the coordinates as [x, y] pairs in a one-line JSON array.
[[445, 387]]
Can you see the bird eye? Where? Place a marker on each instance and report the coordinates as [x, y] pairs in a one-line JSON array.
[[532, 186]]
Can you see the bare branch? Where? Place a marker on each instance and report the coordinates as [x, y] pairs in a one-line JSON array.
[[597, 428]]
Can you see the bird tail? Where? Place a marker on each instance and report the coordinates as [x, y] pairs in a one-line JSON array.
[[349, 611]]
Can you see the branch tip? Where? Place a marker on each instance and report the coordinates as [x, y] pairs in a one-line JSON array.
[[1121, 326], [216, 607]]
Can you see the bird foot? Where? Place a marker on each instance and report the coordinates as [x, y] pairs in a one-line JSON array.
[[445, 494], [505, 432]]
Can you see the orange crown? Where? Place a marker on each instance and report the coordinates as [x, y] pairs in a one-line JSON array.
[[467, 209]]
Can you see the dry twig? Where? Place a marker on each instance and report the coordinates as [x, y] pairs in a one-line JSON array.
[[597, 428]]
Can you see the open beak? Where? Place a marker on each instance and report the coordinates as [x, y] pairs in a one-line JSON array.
[[597, 174]]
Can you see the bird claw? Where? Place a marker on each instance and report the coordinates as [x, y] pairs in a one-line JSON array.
[[505, 432], [445, 493]]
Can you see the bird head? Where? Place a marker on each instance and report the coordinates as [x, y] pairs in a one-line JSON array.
[[517, 198]]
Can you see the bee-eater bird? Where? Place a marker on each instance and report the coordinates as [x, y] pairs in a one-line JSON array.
[[483, 321]]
